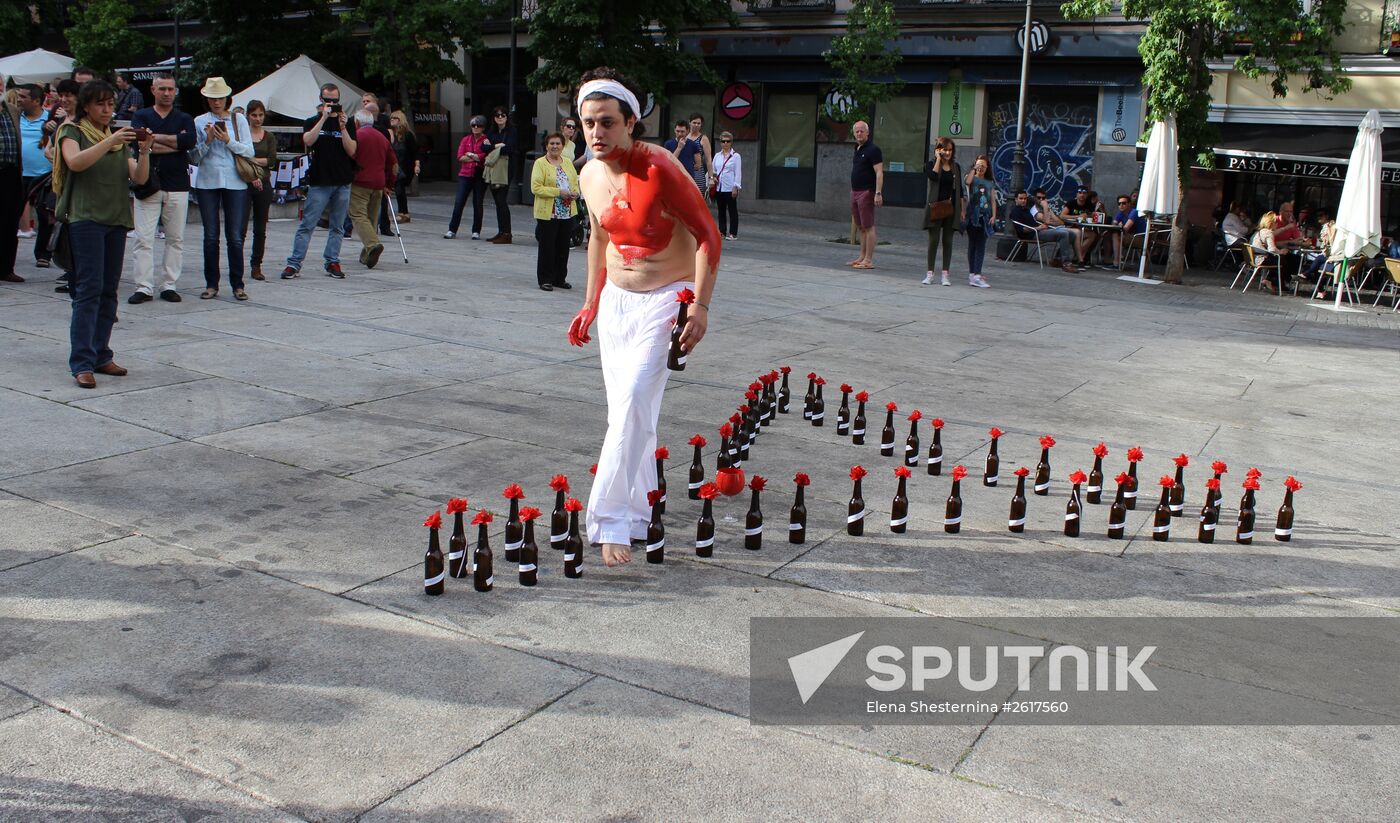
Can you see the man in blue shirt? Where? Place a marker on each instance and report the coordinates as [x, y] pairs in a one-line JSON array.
[[175, 136], [1133, 227], [867, 191], [32, 118]]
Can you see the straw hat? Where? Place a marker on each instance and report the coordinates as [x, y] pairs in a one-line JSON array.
[[216, 87]]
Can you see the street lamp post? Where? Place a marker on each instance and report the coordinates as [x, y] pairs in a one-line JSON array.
[[513, 196], [1018, 161]]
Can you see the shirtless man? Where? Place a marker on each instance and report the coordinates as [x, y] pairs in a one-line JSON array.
[[652, 236]]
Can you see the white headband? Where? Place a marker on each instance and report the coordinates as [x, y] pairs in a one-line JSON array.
[[611, 88]]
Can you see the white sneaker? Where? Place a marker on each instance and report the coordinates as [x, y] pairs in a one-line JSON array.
[[977, 281], [928, 279], [25, 233], [945, 280], [476, 235], [449, 235]]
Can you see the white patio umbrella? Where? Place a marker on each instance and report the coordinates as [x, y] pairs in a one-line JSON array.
[[294, 89], [37, 66], [1160, 189], [1357, 232]]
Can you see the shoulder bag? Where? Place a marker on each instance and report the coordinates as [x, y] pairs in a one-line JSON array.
[[248, 171]]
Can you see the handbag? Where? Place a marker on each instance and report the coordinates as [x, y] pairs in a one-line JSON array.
[[714, 186], [248, 171], [940, 210], [150, 188]]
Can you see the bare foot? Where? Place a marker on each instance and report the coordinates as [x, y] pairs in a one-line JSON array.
[[855, 261], [615, 554]]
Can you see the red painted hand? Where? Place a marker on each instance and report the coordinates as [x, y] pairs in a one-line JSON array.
[[578, 328]]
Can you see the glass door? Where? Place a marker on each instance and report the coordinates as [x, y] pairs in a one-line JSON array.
[[789, 170]]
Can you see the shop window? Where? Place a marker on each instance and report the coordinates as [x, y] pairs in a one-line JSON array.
[[901, 132], [685, 104], [789, 170]]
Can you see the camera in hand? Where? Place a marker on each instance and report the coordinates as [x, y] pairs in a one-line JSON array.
[[334, 108]]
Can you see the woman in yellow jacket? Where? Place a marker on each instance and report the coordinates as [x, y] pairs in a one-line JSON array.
[[555, 186]]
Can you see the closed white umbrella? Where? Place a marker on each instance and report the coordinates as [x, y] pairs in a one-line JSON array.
[[1357, 232], [1160, 189], [37, 66]]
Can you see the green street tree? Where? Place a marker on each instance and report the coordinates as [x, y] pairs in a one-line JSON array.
[[414, 42], [1184, 37], [244, 40], [866, 58], [102, 37], [640, 38], [18, 27]]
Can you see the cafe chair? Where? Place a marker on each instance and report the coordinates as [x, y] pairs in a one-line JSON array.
[[1392, 268], [1327, 279], [1257, 262], [1227, 247], [1027, 242]]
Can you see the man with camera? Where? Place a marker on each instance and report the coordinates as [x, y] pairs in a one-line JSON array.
[[328, 139], [166, 199]]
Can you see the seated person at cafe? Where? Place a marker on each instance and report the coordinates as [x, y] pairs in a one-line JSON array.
[[1237, 225], [1133, 225], [1316, 261], [1266, 240], [1286, 228], [1044, 211], [1028, 224], [1081, 208]]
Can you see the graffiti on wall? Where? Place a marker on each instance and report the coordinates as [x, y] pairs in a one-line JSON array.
[[1059, 147]]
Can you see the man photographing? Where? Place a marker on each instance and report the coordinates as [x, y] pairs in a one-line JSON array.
[[332, 148]]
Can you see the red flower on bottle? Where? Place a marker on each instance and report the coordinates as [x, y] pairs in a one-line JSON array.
[[1254, 473], [1181, 461], [758, 483], [959, 472], [573, 505], [663, 453], [653, 497], [482, 518], [528, 513], [1219, 467], [857, 472], [697, 440], [1077, 477], [1134, 454], [821, 381], [513, 492], [902, 471], [802, 479], [751, 395], [995, 432], [741, 411], [891, 406], [862, 396], [1251, 483], [1166, 481], [1101, 450], [457, 505], [685, 296], [1047, 442], [811, 375], [755, 386], [915, 416], [846, 388], [938, 422], [1022, 472], [1213, 484], [726, 430], [709, 491], [1292, 483], [434, 520], [786, 369], [734, 419], [1121, 479], [559, 483]]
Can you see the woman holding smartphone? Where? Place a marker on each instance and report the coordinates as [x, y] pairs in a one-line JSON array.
[[219, 136]]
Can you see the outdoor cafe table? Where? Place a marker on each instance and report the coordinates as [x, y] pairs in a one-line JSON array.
[[1109, 227]]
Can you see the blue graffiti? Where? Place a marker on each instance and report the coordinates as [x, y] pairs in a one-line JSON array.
[[1059, 149]]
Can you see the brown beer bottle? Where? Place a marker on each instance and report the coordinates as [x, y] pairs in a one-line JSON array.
[[887, 433], [529, 551], [843, 414], [899, 508], [1162, 517], [1177, 503], [770, 399], [855, 510], [1220, 468], [559, 519], [797, 518], [675, 359], [662, 454], [1042, 469], [1244, 532], [573, 547], [743, 435], [1131, 492], [819, 405], [1283, 527], [952, 514], [434, 576], [705, 526], [1093, 493], [1016, 520], [458, 564], [858, 424], [697, 468], [810, 397], [1210, 512], [753, 521], [1118, 512], [1073, 507], [935, 448], [515, 530], [784, 393], [993, 470], [482, 576], [911, 443], [656, 530], [723, 459]]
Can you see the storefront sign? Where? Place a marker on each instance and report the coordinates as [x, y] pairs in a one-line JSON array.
[[736, 101], [957, 109], [1120, 111], [1317, 168]]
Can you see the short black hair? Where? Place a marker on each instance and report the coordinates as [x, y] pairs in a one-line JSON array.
[[695, 116], [684, 124], [1020, 192], [68, 86], [94, 91], [34, 91], [77, 70], [162, 75], [610, 73]]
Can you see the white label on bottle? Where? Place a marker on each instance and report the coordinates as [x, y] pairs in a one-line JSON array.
[[860, 515], [559, 538], [1245, 536], [952, 521], [704, 544], [1175, 508], [515, 546], [1130, 494], [858, 432], [1116, 524], [753, 531], [455, 555], [527, 567], [1207, 527], [1018, 522], [680, 361], [697, 484], [796, 527], [663, 498], [900, 522], [819, 416], [656, 547], [1160, 529], [909, 447], [1040, 487], [490, 581], [843, 428], [992, 478], [433, 581], [938, 459], [1095, 489], [1069, 517], [807, 413], [569, 558]]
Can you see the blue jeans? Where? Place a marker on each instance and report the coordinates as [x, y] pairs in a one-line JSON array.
[[234, 203], [976, 248], [476, 187], [338, 198], [1061, 236], [97, 268]]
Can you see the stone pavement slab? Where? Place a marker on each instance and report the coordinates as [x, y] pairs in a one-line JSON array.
[[39, 366], [34, 531], [199, 407], [41, 434]]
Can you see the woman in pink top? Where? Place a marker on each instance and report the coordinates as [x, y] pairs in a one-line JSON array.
[[470, 152]]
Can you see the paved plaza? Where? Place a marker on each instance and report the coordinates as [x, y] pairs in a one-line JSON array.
[[211, 599]]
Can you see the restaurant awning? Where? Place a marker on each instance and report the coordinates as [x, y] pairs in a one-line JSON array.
[[1287, 165]]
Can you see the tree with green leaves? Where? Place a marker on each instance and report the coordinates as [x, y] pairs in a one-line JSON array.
[[640, 38], [245, 40], [414, 42], [866, 58], [1184, 37], [18, 27], [102, 37]]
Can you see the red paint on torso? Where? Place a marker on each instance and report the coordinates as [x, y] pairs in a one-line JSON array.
[[638, 219]]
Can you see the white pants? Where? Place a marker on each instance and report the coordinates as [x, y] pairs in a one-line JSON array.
[[173, 207], [634, 336]]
